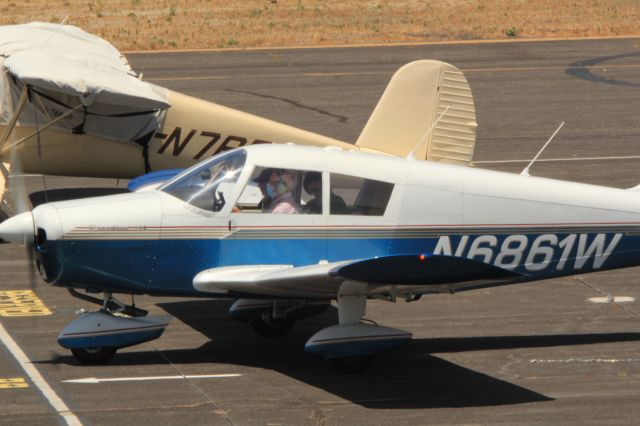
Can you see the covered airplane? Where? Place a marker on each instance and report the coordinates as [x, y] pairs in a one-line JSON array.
[[288, 229], [71, 105]]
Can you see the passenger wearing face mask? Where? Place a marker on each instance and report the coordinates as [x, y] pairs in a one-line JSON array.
[[280, 190]]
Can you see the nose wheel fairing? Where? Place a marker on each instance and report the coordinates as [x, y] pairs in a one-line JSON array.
[[102, 329]]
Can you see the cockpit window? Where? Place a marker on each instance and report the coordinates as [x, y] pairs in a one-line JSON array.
[[207, 185], [358, 196], [275, 190]]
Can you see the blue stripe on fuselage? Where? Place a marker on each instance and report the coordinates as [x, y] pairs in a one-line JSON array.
[[168, 266]]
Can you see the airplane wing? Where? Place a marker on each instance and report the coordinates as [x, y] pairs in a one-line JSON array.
[[416, 274], [64, 68]]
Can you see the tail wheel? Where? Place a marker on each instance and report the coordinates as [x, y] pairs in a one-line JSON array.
[[99, 355], [270, 327]]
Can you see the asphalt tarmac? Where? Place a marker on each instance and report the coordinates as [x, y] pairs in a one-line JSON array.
[[524, 354]]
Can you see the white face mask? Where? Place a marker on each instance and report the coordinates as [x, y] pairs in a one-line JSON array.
[[281, 188]]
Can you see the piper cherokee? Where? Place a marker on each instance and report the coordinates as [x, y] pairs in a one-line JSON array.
[[287, 229]]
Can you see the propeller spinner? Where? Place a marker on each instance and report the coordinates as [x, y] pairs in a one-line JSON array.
[[18, 229]]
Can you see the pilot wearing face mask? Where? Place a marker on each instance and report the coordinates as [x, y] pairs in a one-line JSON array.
[[262, 180], [280, 190]]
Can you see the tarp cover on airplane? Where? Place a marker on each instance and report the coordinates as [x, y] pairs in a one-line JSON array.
[[67, 67]]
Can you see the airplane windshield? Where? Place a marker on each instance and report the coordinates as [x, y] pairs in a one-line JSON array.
[[207, 185]]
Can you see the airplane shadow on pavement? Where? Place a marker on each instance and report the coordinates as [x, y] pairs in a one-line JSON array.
[[407, 378]]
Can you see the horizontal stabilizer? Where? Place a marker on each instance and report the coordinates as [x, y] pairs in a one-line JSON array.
[[419, 95]]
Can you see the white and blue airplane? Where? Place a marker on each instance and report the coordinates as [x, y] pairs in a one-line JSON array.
[[339, 225]]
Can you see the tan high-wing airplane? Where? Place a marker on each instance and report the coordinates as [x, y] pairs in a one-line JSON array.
[[71, 105]]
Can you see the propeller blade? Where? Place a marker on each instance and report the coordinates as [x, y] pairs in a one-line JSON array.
[[33, 274], [17, 186]]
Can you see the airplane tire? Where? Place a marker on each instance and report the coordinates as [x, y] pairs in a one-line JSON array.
[[273, 328], [99, 355], [351, 364]]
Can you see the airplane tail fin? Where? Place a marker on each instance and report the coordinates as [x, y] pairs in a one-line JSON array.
[[414, 99]]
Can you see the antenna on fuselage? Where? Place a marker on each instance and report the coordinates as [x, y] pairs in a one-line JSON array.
[[525, 172], [412, 154]]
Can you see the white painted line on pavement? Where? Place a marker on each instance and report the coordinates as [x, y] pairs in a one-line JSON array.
[[584, 361], [54, 400], [612, 299], [93, 380]]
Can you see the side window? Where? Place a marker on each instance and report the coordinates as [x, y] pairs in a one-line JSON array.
[[358, 196], [289, 191]]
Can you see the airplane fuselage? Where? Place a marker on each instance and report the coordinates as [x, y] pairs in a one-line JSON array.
[[193, 130], [152, 242]]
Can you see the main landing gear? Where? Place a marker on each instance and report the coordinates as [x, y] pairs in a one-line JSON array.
[[351, 345], [94, 337], [269, 326], [275, 318]]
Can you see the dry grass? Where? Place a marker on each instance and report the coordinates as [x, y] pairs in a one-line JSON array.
[[184, 24]]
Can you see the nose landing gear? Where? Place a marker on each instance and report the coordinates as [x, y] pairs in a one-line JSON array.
[[94, 337], [93, 355]]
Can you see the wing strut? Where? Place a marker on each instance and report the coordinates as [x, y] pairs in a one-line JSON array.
[[24, 96], [46, 126]]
